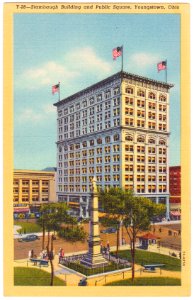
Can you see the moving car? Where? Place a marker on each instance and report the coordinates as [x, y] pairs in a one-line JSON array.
[[108, 230], [29, 238]]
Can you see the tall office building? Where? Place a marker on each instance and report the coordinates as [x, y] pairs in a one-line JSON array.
[[118, 131], [175, 191]]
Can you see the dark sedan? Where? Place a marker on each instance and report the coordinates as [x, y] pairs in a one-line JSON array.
[[29, 238]]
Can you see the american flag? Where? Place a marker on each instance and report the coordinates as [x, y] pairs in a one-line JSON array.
[[116, 52], [55, 88], [161, 66]]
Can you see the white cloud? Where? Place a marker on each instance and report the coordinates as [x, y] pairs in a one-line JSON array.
[[29, 114], [86, 59], [144, 60], [69, 68]]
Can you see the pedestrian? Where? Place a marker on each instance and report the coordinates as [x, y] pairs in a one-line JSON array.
[[101, 247], [32, 253], [29, 254], [108, 246], [60, 254]]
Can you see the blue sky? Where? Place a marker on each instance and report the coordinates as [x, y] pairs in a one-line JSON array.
[[76, 50]]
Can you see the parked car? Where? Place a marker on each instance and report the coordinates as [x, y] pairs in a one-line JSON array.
[[109, 230], [29, 238]]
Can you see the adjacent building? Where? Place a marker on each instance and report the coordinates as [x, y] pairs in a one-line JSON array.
[[175, 191], [118, 131], [33, 188]]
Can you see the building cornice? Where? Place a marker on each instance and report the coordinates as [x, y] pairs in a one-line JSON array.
[[120, 75]]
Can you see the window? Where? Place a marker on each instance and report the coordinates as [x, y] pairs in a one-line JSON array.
[[116, 91], [128, 138], [99, 97], [77, 106], [141, 93], [92, 101], [140, 188], [107, 104], [107, 94], [162, 142], [128, 157], [151, 169], [140, 103], [129, 168], [162, 98], [99, 141], [152, 95], [151, 115], [129, 111], [129, 121], [141, 139], [84, 144], [128, 177], [107, 139], [129, 148], [151, 141], [151, 105], [129, 90], [116, 101], [151, 125], [116, 137], [151, 150], [140, 123], [129, 101], [151, 188]]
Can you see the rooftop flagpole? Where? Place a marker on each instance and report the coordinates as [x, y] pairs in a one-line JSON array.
[[59, 90], [166, 70], [122, 59]]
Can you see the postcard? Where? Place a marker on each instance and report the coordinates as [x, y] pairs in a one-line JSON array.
[[96, 149]]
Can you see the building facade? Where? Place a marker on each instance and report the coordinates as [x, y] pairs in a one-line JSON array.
[[175, 190], [118, 131], [33, 187]]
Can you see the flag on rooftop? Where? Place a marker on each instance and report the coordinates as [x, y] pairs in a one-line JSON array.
[[162, 65], [55, 88], [116, 52]]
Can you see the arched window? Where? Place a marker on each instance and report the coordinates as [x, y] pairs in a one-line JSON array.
[[162, 142], [129, 90], [141, 93], [128, 138], [151, 141], [162, 98], [141, 139], [152, 95], [99, 141], [107, 139]]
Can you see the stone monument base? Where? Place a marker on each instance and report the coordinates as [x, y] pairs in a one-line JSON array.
[[94, 261]]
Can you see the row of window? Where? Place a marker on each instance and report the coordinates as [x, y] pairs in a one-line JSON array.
[[34, 182], [109, 139], [142, 124], [142, 93], [106, 95], [93, 100], [162, 188]]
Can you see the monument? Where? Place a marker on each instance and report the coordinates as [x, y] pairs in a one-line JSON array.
[[94, 258]]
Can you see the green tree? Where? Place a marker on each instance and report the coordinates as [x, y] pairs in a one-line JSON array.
[[53, 218], [135, 212]]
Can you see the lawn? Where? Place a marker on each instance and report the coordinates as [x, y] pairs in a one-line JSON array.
[[145, 257], [148, 281], [34, 277], [28, 227]]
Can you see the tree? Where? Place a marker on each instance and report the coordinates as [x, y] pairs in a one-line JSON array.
[[53, 217], [135, 212]]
